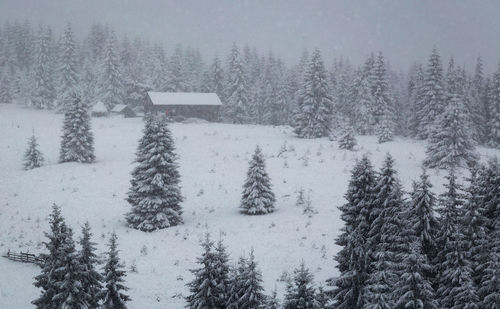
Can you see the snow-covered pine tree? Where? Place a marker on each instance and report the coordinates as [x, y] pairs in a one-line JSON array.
[[413, 289], [385, 130], [216, 78], [6, 94], [250, 289], [236, 109], [33, 157], [51, 261], [315, 108], [474, 226], [347, 140], [207, 291], [494, 110], [477, 103], [450, 145], [176, 72], [415, 92], [113, 294], [91, 282], [322, 297], [363, 105], [456, 286], [489, 182], [111, 79], [450, 207], [352, 259], [77, 143], [43, 94], [385, 238], [258, 197], [346, 95], [70, 274], [68, 72], [489, 286], [422, 218], [155, 194], [432, 99], [158, 70], [236, 282], [300, 291], [222, 272], [89, 82], [383, 110], [273, 301]]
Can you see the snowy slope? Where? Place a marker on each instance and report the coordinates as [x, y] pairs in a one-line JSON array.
[[213, 162]]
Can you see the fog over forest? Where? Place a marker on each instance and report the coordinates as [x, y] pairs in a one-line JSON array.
[[404, 30]]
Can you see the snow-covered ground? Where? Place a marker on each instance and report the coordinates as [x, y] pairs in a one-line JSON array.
[[213, 162]]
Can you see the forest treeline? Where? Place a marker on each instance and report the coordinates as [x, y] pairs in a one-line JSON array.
[[39, 68]]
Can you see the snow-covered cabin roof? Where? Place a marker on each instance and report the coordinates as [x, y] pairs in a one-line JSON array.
[[119, 108], [183, 98], [99, 107]]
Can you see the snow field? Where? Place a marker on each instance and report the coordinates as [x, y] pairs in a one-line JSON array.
[[213, 161]]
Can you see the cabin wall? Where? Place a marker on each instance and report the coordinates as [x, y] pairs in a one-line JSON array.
[[210, 113]]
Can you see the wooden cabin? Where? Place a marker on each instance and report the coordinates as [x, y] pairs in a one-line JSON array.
[[182, 105]]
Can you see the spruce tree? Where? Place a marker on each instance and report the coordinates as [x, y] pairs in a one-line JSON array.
[[454, 264], [477, 103], [205, 287], [364, 103], [273, 301], [432, 100], [68, 78], [456, 286], [177, 79], [494, 110], [489, 182], [216, 79], [43, 94], [474, 226], [33, 157], [91, 282], [236, 283], [347, 140], [300, 292], [258, 197], [250, 290], [450, 145], [155, 194], [489, 286], [113, 294], [315, 106], [415, 93], [383, 111], [111, 79], [222, 272], [422, 218], [6, 94], [352, 259], [413, 289], [77, 144], [322, 297], [450, 208], [385, 130], [385, 239], [71, 274], [52, 260], [236, 109]]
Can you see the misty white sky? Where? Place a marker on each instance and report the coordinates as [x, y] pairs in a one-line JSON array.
[[404, 30]]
